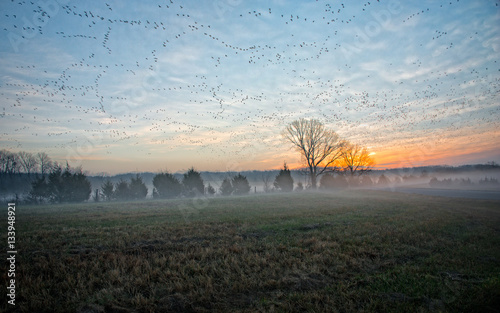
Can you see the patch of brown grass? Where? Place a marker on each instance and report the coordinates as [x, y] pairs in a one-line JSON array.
[[307, 252]]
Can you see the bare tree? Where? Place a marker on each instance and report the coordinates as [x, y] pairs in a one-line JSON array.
[[4, 160], [9, 162], [266, 179], [356, 159], [44, 162], [27, 161], [319, 146]]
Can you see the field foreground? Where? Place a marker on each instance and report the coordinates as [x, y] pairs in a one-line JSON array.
[[365, 251]]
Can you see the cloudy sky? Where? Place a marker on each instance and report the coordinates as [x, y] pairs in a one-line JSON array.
[[122, 86]]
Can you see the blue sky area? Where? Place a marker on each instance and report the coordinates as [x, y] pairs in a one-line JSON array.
[[121, 86]]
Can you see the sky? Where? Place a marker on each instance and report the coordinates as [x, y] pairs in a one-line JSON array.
[[123, 86]]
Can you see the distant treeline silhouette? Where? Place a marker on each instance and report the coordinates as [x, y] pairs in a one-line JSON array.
[[463, 182], [35, 178], [167, 186]]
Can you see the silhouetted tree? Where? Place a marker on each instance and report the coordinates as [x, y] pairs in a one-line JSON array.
[[327, 181], [489, 181], [340, 182], [397, 180], [240, 185], [9, 162], [226, 188], [383, 180], [356, 160], [319, 146], [108, 189], [299, 187], [137, 187], [434, 182], [55, 183], [166, 185], [284, 180], [266, 179], [4, 160], [44, 162], [193, 183], [63, 186], [210, 190], [97, 195], [122, 190], [80, 187], [27, 161], [40, 191], [365, 181]]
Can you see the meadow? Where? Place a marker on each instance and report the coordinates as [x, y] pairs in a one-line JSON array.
[[349, 251]]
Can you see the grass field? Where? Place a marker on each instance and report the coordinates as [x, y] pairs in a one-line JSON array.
[[364, 251]]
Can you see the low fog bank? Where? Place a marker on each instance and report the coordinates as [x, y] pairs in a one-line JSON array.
[[444, 178], [470, 177]]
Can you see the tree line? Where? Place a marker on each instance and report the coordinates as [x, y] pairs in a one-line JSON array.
[[50, 182], [167, 186], [64, 185], [25, 162]]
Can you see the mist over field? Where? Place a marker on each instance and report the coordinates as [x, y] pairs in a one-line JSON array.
[[479, 177]]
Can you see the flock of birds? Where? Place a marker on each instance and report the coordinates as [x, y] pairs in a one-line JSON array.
[[223, 80]]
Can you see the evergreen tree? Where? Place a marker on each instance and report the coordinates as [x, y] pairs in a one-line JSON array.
[[122, 190], [55, 184], [210, 190], [137, 187], [108, 189], [166, 185], [193, 183], [383, 180], [226, 188], [240, 185], [284, 180], [40, 191], [81, 187], [62, 186]]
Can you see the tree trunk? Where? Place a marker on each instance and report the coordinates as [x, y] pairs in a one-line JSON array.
[[313, 180]]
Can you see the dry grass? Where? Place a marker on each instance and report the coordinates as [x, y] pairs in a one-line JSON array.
[[309, 252]]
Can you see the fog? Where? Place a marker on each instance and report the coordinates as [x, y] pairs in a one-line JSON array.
[[471, 181]]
